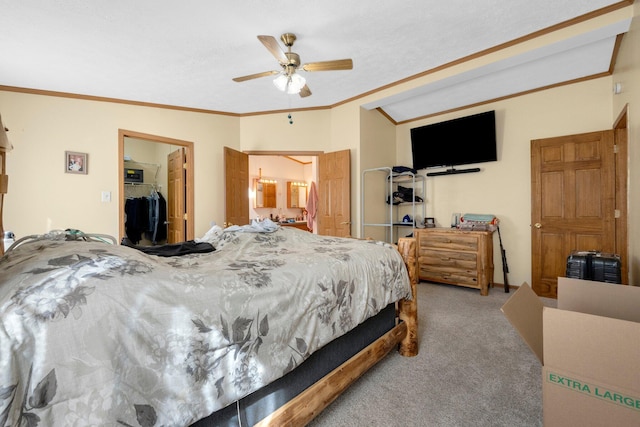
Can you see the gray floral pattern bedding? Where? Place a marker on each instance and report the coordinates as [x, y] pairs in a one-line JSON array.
[[97, 334]]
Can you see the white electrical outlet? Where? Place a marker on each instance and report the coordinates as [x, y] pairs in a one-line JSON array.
[[106, 196]]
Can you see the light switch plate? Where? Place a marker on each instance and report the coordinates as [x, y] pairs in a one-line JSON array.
[[106, 196]]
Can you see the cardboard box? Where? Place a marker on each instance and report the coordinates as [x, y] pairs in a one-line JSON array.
[[589, 348]]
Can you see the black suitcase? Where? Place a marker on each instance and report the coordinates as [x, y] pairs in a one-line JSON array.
[[593, 265], [579, 265]]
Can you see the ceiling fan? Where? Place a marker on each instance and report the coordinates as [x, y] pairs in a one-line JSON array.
[[288, 79]]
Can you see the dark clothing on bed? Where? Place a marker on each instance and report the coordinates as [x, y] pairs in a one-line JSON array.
[[174, 249]]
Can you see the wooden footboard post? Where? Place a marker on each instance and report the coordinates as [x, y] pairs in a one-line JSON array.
[[4, 183], [408, 310]]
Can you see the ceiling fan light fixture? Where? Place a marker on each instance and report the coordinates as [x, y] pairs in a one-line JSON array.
[[291, 84], [296, 84], [281, 82]]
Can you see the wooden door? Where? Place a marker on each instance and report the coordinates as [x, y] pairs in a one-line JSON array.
[[334, 194], [572, 202], [176, 215], [236, 187]]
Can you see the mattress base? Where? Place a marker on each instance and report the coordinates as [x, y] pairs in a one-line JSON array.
[[256, 406]]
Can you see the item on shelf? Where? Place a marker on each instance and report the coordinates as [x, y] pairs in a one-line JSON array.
[[403, 169], [134, 175], [407, 219], [479, 222], [407, 194], [397, 198], [455, 220]]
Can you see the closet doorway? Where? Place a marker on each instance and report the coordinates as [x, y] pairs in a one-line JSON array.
[[161, 166]]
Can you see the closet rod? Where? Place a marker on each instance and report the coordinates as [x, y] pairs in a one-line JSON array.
[[143, 163], [133, 184]]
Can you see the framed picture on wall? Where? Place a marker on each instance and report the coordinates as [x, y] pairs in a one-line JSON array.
[[75, 162]]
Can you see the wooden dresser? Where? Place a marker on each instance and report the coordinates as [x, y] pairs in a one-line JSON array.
[[457, 257]]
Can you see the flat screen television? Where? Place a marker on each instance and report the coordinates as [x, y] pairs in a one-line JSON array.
[[461, 141]]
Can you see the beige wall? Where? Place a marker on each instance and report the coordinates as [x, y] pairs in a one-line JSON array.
[[345, 135], [377, 149], [503, 188], [310, 131], [42, 197]]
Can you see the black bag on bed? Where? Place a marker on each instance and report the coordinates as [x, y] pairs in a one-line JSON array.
[[173, 249]]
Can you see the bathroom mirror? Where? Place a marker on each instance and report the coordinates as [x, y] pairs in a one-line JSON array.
[[296, 194], [265, 194]]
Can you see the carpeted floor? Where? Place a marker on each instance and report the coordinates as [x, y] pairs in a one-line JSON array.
[[473, 370]]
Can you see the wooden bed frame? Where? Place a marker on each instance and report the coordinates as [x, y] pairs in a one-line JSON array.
[[308, 404], [4, 179]]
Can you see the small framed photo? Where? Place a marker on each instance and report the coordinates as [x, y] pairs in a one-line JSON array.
[[429, 222], [75, 162]]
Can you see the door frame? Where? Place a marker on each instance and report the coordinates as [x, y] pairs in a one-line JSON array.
[[189, 203], [621, 141], [283, 153]]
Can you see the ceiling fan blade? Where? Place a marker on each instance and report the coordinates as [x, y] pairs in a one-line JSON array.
[[338, 64], [255, 76], [305, 91], [272, 45]]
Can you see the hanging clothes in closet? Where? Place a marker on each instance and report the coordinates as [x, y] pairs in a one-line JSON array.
[[157, 225], [137, 218], [146, 217]]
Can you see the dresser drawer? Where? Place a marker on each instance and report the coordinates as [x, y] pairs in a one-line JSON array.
[[454, 277], [431, 258], [449, 267], [462, 242]]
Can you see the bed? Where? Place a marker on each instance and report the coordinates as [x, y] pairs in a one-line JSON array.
[[94, 333]]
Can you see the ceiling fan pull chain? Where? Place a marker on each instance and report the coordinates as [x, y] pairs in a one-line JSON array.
[[289, 115]]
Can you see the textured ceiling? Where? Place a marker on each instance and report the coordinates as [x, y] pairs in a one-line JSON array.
[[185, 54]]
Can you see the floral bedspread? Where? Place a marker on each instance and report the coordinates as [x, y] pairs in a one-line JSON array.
[[98, 334]]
